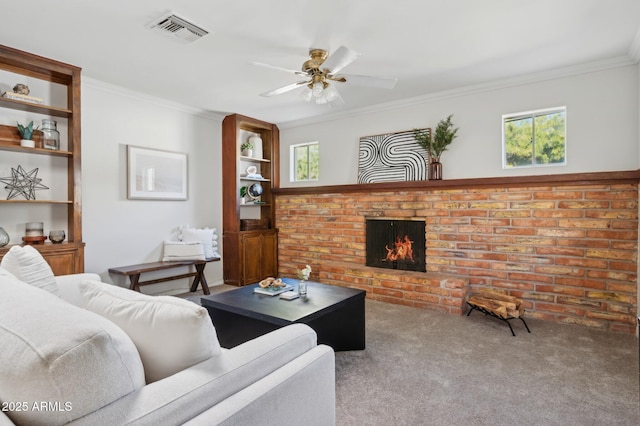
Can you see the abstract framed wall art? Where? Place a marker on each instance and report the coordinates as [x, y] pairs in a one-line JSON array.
[[391, 157], [154, 174]]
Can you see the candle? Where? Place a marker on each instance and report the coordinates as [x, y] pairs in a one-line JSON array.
[[34, 229]]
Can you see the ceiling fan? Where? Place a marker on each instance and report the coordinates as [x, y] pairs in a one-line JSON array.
[[321, 71]]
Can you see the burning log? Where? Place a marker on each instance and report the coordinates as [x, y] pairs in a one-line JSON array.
[[402, 250]]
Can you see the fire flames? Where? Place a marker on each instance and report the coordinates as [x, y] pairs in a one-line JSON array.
[[402, 250]]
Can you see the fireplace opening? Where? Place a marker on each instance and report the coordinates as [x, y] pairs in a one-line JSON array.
[[396, 244]]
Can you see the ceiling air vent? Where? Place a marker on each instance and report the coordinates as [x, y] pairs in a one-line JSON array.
[[179, 28]]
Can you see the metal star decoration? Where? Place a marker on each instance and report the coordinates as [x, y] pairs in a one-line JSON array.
[[23, 183]]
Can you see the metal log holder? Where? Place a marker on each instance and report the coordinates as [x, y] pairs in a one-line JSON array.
[[487, 312]]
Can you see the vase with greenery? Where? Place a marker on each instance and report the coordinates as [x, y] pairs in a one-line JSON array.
[[247, 149], [26, 133], [303, 275], [435, 146]]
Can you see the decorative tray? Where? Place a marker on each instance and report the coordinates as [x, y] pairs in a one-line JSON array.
[[34, 240]]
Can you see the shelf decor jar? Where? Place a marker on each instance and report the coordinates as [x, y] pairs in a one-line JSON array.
[[34, 229], [4, 237], [51, 136], [34, 233], [57, 237]]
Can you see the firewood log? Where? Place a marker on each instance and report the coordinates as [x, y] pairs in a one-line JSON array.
[[486, 300], [493, 294], [514, 313], [497, 307]]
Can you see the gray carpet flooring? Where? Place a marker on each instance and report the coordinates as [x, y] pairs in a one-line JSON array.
[[423, 367]]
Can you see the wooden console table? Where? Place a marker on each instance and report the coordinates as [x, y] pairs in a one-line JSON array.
[[134, 271]]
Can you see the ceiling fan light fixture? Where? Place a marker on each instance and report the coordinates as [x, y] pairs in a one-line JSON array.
[[331, 93], [318, 89], [320, 93], [307, 94]]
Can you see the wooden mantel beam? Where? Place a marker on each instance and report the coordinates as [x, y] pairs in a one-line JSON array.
[[595, 178]]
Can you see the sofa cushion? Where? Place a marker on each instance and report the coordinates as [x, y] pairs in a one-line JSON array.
[[171, 334], [6, 274], [28, 265], [54, 352], [69, 286]]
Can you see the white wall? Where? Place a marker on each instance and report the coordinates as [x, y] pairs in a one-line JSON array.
[[602, 127], [118, 231]]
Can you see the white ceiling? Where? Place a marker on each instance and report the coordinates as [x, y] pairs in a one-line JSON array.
[[429, 45]]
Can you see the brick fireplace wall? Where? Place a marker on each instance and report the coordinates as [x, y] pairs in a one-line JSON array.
[[569, 249]]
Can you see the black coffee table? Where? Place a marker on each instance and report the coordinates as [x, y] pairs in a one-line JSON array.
[[335, 313]]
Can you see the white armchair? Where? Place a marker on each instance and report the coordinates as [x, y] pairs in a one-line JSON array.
[[68, 353]]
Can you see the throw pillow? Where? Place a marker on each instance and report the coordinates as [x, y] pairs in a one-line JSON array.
[[28, 265], [180, 250], [206, 236], [54, 352], [171, 334]]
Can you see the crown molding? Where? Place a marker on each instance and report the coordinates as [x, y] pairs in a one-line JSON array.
[[590, 67], [121, 91]]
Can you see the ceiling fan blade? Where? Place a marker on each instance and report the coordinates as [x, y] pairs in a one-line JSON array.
[[277, 68], [284, 89], [339, 59], [368, 81]]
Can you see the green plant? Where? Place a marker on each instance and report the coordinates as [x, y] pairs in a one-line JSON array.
[[26, 132], [246, 145], [243, 191], [442, 138]]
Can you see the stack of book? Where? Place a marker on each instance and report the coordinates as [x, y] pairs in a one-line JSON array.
[[272, 290], [24, 98]]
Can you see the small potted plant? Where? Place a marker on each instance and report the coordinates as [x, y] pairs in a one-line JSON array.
[[243, 194], [26, 133], [247, 149], [436, 145]]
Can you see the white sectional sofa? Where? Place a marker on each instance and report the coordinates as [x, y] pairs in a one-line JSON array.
[[74, 350]]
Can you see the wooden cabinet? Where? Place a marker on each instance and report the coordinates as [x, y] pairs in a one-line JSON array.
[[249, 254], [63, 258], [60, 83], [259, 255]]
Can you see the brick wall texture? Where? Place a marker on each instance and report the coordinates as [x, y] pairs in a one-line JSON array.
[[570, 252]]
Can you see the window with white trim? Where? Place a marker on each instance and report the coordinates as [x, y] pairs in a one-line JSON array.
[[534, 138], [305, 162]]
